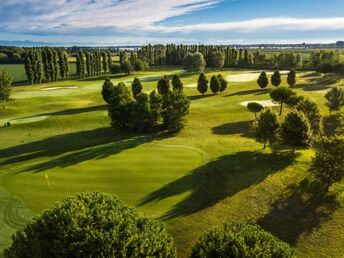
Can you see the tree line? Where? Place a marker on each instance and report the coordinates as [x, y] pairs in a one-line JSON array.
[[92, 63], [46, 64], [162, 109]]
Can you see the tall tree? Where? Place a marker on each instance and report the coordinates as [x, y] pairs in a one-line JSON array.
[[335, 99], [164, 85], [312, 113], [217, 60], [202, 84], [108, 89], [136, 86], [215, 84], [5, 87], [177, 84], [291, 80], [156, 105], [266, 127], [223, 82], [255, 108], [276, 79], [281, 95], [29, 69]]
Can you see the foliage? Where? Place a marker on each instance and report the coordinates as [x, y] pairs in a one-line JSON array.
[[140, 65], [215, 84], [266, 127], [194, 62], [276, 79], [177, 84], [164, 85], [263, 80], [335, 99], [141, 118], [254, 108], [296, 130], [202, 85], [92, 225], [291, 79], [328, 165], [136, 86], [325, 67], [175, 108], [155, 105], [5, 87], [217, 60], [312, 113], [126, 67], [108, 89], [115, 69], [223, 83], [240, 240], [281, 95]]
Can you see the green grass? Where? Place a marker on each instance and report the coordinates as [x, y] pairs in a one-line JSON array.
[[210, 173]]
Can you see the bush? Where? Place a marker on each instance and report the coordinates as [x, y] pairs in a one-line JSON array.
[[92, 225], [126, 67], [115, 69], [240, 240]]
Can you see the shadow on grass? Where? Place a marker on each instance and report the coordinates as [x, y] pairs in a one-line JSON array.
[[317, 84], [197, 97], [331, 124], [311, 75], [73, 148], [242, 128], [249, 92], [304, 209], [218, 180], [103, 77]]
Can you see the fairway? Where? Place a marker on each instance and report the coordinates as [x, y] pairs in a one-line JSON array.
[[61, 143]]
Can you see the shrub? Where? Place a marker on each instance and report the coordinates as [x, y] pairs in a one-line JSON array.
[[92, 225], [115, 69], [240, 240]]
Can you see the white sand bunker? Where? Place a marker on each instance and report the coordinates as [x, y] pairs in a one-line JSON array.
[[264, 103], [26, 120], [60, 88], [191, 85], [247, 77]]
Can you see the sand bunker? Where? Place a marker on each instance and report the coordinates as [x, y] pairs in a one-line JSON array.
[[26, 120], [60, 88], [264, 103], [247, 77], [191, 85]]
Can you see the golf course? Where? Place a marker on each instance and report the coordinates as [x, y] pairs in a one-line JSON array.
[[61, 142]]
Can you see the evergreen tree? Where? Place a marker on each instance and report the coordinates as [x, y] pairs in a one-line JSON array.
[[155, 105], [109, 59], [266, 127], [312, 113], [108, 89], [281, 95], [88, 63], [215, 84], [141, 118], [291, 78], [126, 67], [5, 87], [136, 87], [164, 85], [263, 80], [335, 99], [223, 82], [54, 65], [276, 79], [29, 70], [202, 84], [296, 130], [217, 60], [177, 83], [254, 108]]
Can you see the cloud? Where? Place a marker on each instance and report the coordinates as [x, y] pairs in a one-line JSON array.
[[81, 14], [247, 26]]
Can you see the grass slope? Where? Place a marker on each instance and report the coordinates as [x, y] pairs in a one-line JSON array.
[[212, 172]]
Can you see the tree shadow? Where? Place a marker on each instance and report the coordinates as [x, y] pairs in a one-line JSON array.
[[311, 75], [197, 97], [242, 128], [74, 148], [331, 124], [219, 179], [303, 210], [249, 92], [317, 84], [103, 77]]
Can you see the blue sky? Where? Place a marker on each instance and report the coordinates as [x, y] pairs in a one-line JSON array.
[[119, 22]]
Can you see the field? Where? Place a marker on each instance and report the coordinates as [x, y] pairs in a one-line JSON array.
[[61, 143]]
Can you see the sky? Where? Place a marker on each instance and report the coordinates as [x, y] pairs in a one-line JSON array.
[[137, 22]]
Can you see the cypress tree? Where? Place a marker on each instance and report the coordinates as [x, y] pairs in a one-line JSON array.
[[109, 59], [215, 84], [177, 83], [29, 67], [105, 63], [202, 84]]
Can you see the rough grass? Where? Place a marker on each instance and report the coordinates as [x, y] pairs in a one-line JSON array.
[[211, 173]]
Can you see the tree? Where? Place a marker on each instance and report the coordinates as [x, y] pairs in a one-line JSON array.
[[312, 113], [5, 87], [215, 84], [177, 84], [175, 108], [202, 84], [92, 225], [136, 87], [266, 127], [223, 83], [281, 95], [328, 165], [115, 69], [291, 80], [164, 85], [108, 89], [109, 59], [296, 130], [254, 108], [325, 67], [141, 118], [335, 99], [29, 67], [155, 105], [276, 79], [126, 67], [339, 70], [263, 80], [240, 240], [105, 62], [217, 60], [194, 62], [140, 65]]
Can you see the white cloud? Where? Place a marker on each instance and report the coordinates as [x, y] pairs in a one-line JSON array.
[[282, 23]]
